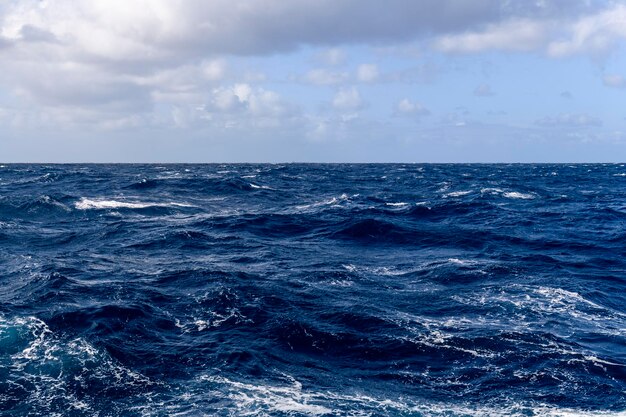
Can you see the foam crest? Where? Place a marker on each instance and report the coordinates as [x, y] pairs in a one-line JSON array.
[[260, 187], [518, 195], [44, 368], [458, 193], [333, 201], [293, 400], [257, 400], [99, 204]]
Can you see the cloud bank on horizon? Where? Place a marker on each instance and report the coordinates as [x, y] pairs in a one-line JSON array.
[[348, 80]]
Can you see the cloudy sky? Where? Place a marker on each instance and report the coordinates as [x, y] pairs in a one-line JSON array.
[[312, 80]]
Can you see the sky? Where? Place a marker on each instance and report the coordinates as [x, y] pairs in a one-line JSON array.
[[312, 81]]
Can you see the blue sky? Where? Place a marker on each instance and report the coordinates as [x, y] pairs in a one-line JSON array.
[[304, 80]]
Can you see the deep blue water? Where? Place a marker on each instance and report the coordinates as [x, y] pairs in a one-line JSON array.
[[325, 290]]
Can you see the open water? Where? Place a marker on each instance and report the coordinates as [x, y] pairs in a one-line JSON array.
[[312, 290]]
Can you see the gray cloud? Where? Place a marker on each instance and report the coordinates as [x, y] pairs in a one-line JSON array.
[[158, 29]]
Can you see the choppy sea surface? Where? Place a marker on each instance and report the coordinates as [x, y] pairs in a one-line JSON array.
[[312, 290]]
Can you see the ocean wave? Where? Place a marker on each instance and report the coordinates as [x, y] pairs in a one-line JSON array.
[[353, 290], [458, 193], [103, 204], [51, 374], [518, 195]]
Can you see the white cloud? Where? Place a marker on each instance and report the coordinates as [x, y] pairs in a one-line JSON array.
[[367, 73], [483, 90], [214, 70], [569, 120], [321, 76], [406, 107], [348, 99], [332, 56], [125, 62], [242, 105], [614, 80], [514, 35], [594, 32]]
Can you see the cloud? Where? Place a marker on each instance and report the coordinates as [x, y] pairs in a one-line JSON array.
[[332, 56], [155, 30], [321, 76], [520, 35], [406, 107], [614, 81], [367, 73], [242, 106], [483, 90], [348, 99], [130, 61], [425, 73], [594, 34], [242, 97], [569, 120], [594, 29]]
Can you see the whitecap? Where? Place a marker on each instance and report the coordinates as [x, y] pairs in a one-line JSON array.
[[260, 187], [491, 191], [458, 193], [87, 204], [252, 399], [329, 202], [291, 398], [517, 195], [397, 204]]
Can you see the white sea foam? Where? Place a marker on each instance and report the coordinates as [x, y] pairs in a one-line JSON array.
[[491, 191], [535, 304], [397, 204], [87, 204], [42, 359], [507, 194], [260, 187], [458, 193], [215, 320], [292, 399], [49, 200], [333, 201], [253, 399], [517, 195]]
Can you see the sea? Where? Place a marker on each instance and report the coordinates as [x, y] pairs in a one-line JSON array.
[[313, 290]]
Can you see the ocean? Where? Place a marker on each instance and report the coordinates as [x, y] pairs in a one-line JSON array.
[[313, 290]]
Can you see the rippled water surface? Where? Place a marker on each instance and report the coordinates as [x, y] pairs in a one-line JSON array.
[[312, 290]]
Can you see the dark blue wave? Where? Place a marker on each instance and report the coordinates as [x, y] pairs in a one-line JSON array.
[[297, 290]]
